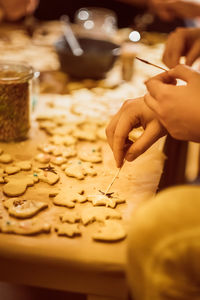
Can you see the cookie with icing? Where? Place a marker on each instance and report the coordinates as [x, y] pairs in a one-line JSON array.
[[103, 200], [47, 174], [21, 208]]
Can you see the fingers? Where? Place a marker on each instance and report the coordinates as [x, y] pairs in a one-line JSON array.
[[122, 123], [159, 84], [182, 42], [164, 77], [152, 103], [183, 72], [124, 126], [175, 47], [110, 130], [193, 54], [15, 9], [2, 14], [159, 8], [31, 6], [165, 14], [133, 113], [152, 133]]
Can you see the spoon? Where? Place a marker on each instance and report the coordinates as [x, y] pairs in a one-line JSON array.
[[70, 36]]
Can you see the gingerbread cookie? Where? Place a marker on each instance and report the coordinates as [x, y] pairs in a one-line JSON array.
[[47, 174], [12, 170], [33, 177], [70, 217], [69, 152], [88, 169], [74, 169], [99, 214], [63, 167], [5, 158], [18, 186], [82, 135], [69, 196], [69, 230], [67, 140], [43, 158], [21, 208], [135, 134], [47, 125], [111, 231], [79, 169], [63, 130], [46, 148], [58, 160], [103, 200], [58, 151], [28, 227], [90, 154], [24, 165]]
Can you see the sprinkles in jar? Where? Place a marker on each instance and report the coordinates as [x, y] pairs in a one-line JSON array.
[[14, 101]]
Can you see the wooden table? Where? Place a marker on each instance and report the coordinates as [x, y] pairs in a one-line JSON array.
[[77, 265], [80, 265]]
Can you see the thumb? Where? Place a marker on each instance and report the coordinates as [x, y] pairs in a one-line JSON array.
[[152, 133]]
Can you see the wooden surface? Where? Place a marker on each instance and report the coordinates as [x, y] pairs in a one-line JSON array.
[[78, 264]]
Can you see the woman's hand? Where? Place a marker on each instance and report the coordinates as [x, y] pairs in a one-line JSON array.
[[133, 113], [182, 42], [13, 10], [176, 107], [171, 9]]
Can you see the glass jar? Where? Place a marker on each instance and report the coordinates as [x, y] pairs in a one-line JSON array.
[[15, 89]]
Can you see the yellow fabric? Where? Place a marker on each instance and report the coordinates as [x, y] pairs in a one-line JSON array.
[[164, 246]]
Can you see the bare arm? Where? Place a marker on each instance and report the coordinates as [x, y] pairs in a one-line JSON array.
[[170, 9], [13, 10], [135, 2]]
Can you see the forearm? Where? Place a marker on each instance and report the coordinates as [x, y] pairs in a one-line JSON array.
[[135, 2]]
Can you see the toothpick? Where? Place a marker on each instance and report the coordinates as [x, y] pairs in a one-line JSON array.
[[115, 177], [149, 63]]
